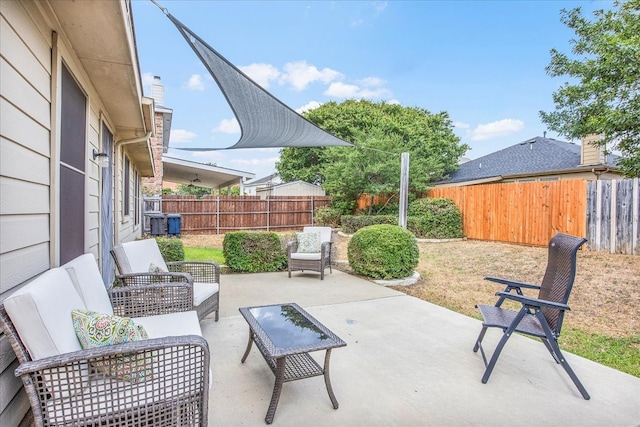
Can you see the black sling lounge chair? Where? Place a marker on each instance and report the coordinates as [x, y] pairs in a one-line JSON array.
[[539, 317]]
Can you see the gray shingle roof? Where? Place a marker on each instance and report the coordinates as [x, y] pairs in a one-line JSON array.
[[531, 156]]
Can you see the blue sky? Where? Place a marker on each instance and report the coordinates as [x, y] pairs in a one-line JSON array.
[[483, 62]]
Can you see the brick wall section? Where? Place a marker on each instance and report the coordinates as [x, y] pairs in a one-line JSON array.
[[153, 186]]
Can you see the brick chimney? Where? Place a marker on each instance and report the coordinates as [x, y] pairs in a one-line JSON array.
[[157, 90], [591, 154]]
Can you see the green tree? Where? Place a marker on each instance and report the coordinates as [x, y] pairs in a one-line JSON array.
[[604, 96], [380, 132], [193, 190]]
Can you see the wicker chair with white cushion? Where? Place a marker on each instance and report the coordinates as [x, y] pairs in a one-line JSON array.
[[147, 370], [140, 261], [310, 251]]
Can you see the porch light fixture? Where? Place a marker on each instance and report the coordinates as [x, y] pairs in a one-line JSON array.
[[103, 158]]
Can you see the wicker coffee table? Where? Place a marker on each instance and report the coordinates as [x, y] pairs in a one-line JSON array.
[[285, 334]]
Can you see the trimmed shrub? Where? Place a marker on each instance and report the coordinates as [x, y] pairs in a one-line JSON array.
[[435, 219], [253, 252], [327, 216], [171, 248], [383, 252], [353, 223]]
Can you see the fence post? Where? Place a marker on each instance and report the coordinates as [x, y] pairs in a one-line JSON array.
[[268, 212], [218, 215], [312, 211], [635, 195]]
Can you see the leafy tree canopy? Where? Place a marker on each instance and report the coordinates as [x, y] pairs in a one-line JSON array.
[[604, 96], [380, 132]]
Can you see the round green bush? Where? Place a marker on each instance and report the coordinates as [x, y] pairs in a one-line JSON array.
[[253, 252], [383, 252], [437, 218], [171, 248]]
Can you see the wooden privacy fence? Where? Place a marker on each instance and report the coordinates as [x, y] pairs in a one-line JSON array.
[[527, 213], [605, 212], [613, 216], [221, 214]]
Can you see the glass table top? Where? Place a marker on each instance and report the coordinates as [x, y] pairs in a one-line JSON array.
[[287, 327]]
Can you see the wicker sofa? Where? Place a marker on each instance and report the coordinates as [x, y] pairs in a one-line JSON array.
[[137, 258], [69, 385]]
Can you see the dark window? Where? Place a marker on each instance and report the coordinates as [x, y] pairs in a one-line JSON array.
[[136, 197], [73, 119], [127, 187]]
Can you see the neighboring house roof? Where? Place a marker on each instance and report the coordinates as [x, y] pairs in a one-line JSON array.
[[299, 183], [269, 179], [533, 156]]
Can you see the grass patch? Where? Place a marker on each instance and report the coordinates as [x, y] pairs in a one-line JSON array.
[[204, 254], [621, 353]]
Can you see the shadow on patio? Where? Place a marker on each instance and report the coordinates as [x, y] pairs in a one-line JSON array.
[[407, 363]]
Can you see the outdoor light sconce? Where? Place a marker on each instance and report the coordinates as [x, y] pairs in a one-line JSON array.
[[103, 158]]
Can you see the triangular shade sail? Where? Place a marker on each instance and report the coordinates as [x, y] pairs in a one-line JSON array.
[[264, 120]]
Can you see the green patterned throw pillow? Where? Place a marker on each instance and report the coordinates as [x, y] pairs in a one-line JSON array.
[[99, 330], [308, 242], [155, 268]]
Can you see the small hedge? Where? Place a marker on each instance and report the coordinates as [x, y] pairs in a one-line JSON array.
[[383, 252], [171, 248], [435, 218], [426, 218], [327, 216], [253, 252]]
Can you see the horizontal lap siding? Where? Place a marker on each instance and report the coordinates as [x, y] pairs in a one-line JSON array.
[[222, 214], [25, 126], [524, 213]]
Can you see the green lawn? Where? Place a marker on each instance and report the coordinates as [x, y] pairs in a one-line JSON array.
[[203, 254]]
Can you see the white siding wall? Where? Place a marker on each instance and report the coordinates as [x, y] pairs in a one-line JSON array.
[[28, 164]]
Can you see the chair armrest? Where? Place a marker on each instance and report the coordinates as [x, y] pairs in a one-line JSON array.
[[201, 271], [292, 247], [533, 302], [325, 249], [63, 390], [151, 298], [511, 284]]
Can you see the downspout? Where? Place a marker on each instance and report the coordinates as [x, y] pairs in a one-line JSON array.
[[116, 176]]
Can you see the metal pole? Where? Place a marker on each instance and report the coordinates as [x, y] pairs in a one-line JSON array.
[[404, 190]]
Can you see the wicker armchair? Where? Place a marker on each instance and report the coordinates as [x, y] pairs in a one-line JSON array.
[[539, 317], [64, 383], [135, 261], [315, 257]]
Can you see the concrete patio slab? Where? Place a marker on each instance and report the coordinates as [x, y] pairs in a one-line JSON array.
[[407, 363]]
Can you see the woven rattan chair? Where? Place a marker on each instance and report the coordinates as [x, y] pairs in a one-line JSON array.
[[317, 260], [539, 317], [64, 383], [135, 260]]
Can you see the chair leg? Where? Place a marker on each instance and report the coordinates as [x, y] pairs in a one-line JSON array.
[[480, 338], [505, 336], [554, 349]]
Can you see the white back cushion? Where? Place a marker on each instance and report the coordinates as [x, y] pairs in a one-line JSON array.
[[142, 253], [87, 280], [41, 313], [325, 232]]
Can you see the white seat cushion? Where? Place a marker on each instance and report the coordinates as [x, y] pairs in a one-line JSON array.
[[41, 313], [141, 254], [170, 325], [306, 256], [87, 280], [202, 291]]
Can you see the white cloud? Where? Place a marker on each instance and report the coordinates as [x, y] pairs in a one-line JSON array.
[[372, 81], [262, 74], [344, 90], [300, 74], [181, 136], [379, 6], [357, 22], [255, 162], [461, 125], [311, 105], [394, 102], [228, 126], [502, 127], [196, 82]]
